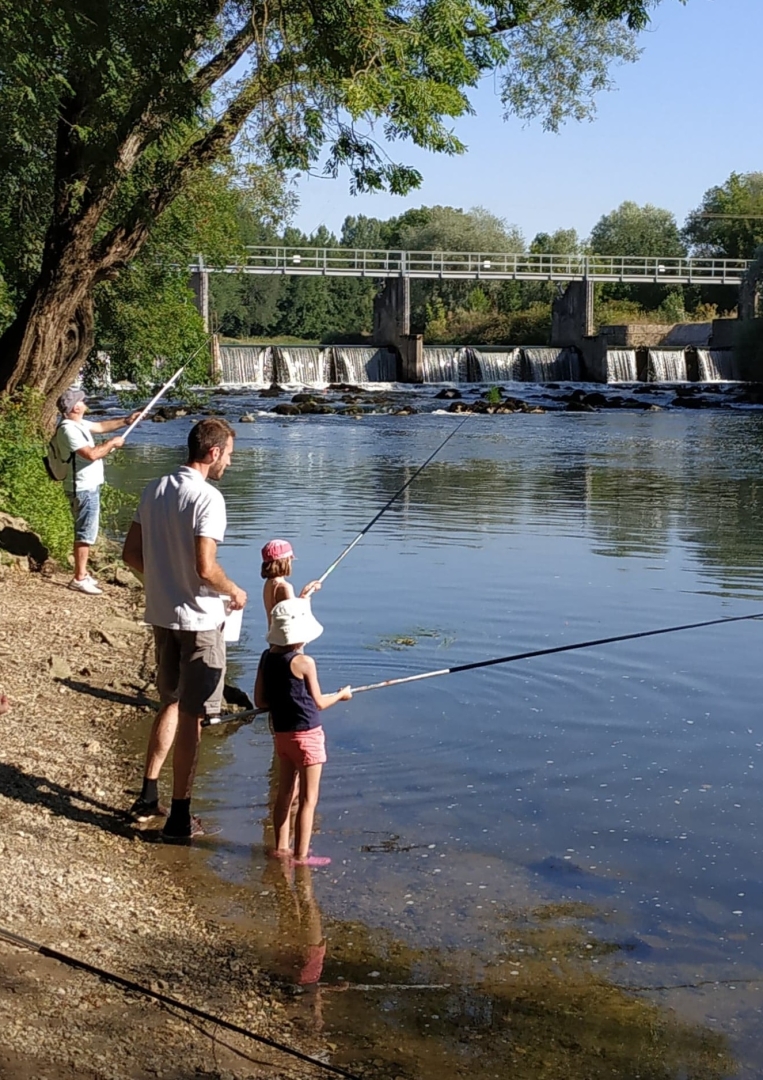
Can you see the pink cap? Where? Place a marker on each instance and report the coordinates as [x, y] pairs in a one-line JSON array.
[[276, 549]]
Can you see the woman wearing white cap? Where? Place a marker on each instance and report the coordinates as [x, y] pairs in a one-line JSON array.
[[287, 684]]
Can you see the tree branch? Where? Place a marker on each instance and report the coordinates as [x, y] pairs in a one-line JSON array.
[[124, 241], [221, 64]]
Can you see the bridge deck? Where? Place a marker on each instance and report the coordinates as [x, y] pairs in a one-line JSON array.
[[485, 266]]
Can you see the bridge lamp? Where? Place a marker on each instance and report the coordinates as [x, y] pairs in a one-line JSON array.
[[296, 259]]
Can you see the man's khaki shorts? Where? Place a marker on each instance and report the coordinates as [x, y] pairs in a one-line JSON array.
[[190, 669]]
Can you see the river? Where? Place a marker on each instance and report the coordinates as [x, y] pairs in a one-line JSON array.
[[562, 853]]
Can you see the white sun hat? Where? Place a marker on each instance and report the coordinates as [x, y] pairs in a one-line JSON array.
[[293, 623]]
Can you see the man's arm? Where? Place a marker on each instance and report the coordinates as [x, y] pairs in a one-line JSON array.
[[102, 450], [103, 427], [132, 552], [212, 574]]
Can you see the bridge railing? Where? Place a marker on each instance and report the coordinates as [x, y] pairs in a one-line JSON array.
[[361, 262]]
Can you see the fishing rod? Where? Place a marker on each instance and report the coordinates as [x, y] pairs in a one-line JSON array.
[[135, 987], [154, 399], [387, 505], [250, 714], [166, 386]]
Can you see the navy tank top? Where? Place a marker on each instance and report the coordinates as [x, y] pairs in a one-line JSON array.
[[291, 704]]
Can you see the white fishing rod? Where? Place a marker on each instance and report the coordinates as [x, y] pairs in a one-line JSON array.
[[165, 388]]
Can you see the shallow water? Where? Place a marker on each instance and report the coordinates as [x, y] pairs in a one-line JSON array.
[[486, 828]]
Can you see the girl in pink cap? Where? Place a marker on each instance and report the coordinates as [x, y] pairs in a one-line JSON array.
[[277, 557]]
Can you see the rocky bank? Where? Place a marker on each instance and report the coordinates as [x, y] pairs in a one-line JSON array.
[[80, 877]]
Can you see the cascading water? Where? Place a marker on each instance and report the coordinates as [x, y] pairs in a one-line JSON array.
[[441, 364], [717, 365], [248, 364], [667, 365], [621, 365], [303, 365], [360, 364], [497, 365], [551, 365]]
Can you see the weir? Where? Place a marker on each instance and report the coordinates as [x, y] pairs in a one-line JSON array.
[[717, 365], [621, 365], [667, 365], [498, 365], [261, 365], [359, 363], [552, 365]]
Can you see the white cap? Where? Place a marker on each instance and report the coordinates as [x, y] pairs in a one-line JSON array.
[[293, 623]]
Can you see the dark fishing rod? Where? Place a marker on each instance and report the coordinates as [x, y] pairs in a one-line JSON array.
[[169, 1001], [387, 505], [250, 714]]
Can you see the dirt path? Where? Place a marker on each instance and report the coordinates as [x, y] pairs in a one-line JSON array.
[[77, 876]]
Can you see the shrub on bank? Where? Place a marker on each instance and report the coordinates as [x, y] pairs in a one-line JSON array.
[[25, 489]]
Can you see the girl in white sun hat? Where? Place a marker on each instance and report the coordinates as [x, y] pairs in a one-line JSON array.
[[287, 684]]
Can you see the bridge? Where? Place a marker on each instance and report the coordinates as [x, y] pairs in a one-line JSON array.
[[479, 266], [572, 314]]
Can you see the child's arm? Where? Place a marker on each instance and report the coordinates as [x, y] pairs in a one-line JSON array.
[[305, 666], [259, 688]]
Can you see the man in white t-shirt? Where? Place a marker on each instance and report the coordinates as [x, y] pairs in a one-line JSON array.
[[173, 542], [85, 476]]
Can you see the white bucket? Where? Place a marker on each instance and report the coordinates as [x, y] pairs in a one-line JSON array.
[[232, 628]]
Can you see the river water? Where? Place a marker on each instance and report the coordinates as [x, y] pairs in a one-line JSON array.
[[562, 853]]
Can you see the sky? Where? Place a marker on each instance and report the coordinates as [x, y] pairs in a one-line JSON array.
[[681, 119]]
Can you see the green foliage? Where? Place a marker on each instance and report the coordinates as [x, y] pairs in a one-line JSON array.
[[148, 323], [647, 231], [25, 489], [729, 221], [493, 395], [637, 230]]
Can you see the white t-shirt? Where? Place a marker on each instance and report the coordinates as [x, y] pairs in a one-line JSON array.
[[172, 512], [83, 475]]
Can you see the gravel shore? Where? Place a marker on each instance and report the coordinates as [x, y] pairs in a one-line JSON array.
[[80, 877]]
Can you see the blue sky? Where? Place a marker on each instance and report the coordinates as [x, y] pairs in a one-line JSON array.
[[682, 118]]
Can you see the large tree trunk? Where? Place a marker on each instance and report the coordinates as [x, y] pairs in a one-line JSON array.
[[49, 340]]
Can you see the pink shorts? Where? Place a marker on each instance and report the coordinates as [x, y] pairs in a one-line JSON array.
[[302, 748]]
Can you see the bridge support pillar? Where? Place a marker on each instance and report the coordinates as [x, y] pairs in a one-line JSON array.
[[392, 311], [392, 327], [200, 286], [572, 314]]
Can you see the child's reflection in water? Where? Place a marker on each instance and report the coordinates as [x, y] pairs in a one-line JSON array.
[[300, 932]]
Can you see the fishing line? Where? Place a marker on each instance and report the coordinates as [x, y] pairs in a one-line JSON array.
[[251, 713], [387, 505], [167, 1000]]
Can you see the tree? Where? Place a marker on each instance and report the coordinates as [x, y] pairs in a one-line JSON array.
[[728, 224], [647, 231], [637, 230], [106, 116]]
